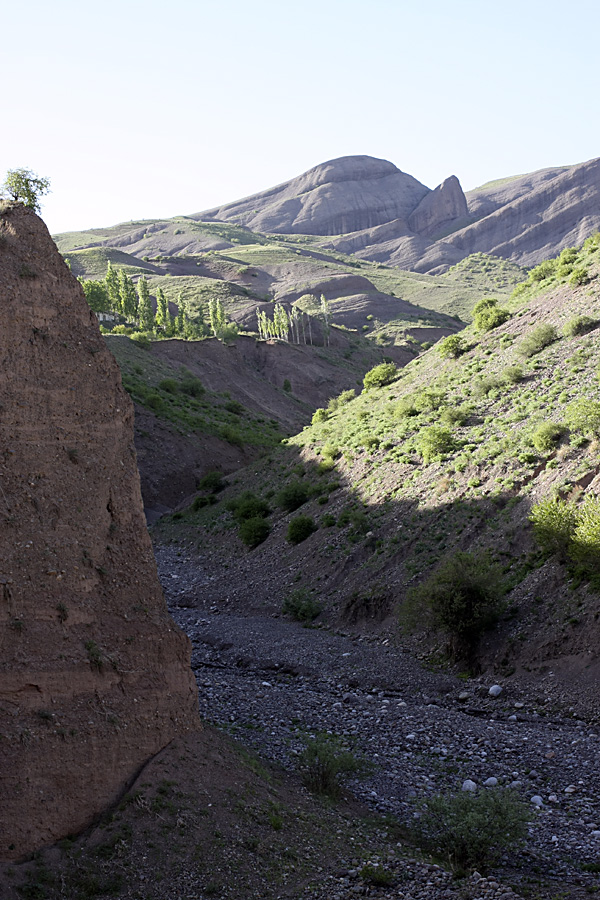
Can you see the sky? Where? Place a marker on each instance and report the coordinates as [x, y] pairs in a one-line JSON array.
[[141, 110]]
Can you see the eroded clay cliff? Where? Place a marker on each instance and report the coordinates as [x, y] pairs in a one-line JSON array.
[[94, 675]]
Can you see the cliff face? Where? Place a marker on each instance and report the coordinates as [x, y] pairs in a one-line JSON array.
[[94, 675]]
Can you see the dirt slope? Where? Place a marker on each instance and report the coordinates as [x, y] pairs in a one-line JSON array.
[[94, 674]]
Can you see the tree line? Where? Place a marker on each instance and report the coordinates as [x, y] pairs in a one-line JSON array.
[[117, 294]]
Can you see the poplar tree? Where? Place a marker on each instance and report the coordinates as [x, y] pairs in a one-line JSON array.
[[127, 295], [111, 282], [162, 312], [325, 313], [145, 312]]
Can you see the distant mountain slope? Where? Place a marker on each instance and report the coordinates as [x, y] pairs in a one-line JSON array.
[[370, 208]]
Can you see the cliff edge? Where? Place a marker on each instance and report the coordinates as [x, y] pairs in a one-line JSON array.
[[95, 677]]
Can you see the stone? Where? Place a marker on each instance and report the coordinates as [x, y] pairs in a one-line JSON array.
[[469, 785], [446, 204], [495, 690], [95, 677], [490, 782], [537, 800]]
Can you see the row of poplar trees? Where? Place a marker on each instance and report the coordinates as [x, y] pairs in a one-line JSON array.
[[295, 322], [118, 294]]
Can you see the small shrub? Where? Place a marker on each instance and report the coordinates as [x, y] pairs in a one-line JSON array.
[[324, 762], [169, 385], [231, 435], [452, 347], [434, 442], [546, 436], [545, 270], [579, 325], [301, 605], [319, 416], [488, 315], [429, 400], [155, 402], [287, 385], [380, 375], [554, 523], [300, 528], [579, 276], [341, 400], [248, 506], [212, 482], [292, 496], [376, 875], [328, 520], [142, 338], [454, 415], [538, 339], [191, 386], [584, 416], [586, 537], [464, 596], [472, 830], [254, 531], [512, 375]]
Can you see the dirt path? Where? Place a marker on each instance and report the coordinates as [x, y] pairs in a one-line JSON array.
[[271, 683]]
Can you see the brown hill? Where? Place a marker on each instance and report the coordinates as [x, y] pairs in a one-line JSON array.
[[94, 675]]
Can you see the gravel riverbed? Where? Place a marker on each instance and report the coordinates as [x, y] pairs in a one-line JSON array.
[[270, 682]]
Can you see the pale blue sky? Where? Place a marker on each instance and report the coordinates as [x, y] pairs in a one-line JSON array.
[[150, 109]]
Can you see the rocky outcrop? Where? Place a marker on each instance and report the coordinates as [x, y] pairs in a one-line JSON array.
[[443, 206], [94, 675], [340, 196]]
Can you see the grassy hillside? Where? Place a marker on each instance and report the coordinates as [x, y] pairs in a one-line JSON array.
[[451, 456], [200, 260]]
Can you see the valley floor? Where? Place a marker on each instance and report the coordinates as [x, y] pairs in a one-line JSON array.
[[269, 683]]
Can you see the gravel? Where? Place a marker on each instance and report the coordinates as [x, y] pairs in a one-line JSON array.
[[271, 683]]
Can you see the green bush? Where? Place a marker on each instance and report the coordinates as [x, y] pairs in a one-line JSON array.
[[324, 762], [586, 538], [512, 375], [301, 605], [579, 325], [300, 528], [142, 338], [584, 416], [212, 481], [254, 531], [169, 385], [554, 522], [546, 436], [464, 596], [319, 416], [488, 315], [292, 496], [380, 375], [287, 385], [248, 506], [434, 442], [455, 415], [341, 400], [472, 830], [536, 340], [191, 386], [579, 276], [231, 435], [428, 400], [155, 402], [452, 347], [545, 270], [328, 520]]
